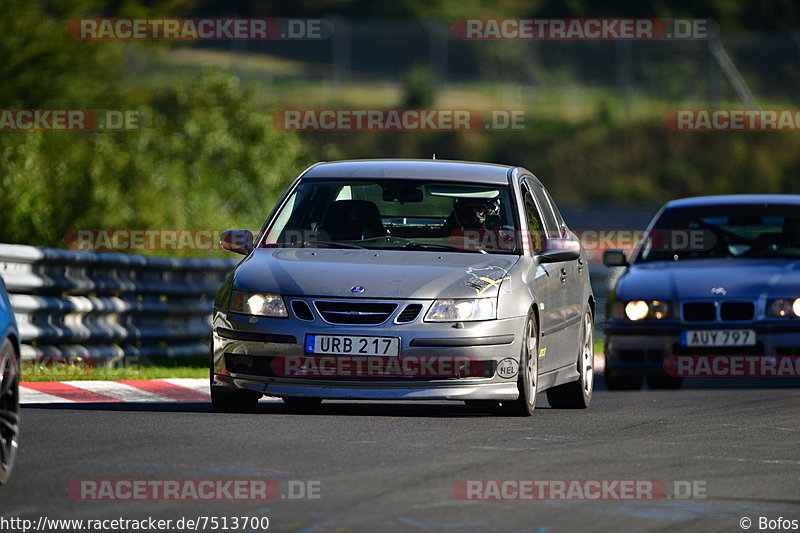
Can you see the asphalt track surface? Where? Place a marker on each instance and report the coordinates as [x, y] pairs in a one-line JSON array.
[[394, 466]]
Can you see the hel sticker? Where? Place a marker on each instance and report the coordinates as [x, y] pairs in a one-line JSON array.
[[542, 352], [507, 368]]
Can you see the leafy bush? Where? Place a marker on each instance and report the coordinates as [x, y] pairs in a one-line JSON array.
[[205, 156]]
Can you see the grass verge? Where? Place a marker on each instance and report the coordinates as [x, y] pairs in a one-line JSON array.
[[80, 369]]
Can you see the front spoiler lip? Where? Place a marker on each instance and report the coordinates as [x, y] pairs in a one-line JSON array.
[[456, 389], [647, 368]]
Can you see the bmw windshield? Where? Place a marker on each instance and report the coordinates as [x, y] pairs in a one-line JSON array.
[[723, 231], [391, 214]]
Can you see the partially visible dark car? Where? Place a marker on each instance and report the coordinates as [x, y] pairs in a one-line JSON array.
[[9, 387], [716, 275]]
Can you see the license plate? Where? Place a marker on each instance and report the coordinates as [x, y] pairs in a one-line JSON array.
[[719, 337], [352, 345]]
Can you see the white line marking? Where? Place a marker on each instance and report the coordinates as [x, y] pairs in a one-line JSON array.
[[749, 460], [198, 384], [120, 391], [27, 395]]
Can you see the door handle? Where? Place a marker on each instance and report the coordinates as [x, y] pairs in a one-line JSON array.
[[563, 275]]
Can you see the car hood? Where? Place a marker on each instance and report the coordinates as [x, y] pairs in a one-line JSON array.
[[688, 279], [382, 273]]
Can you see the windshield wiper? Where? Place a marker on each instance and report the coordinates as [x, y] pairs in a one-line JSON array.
[[328, 244], [413, 245]]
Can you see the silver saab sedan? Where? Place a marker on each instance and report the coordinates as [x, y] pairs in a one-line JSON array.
[[407, 280]]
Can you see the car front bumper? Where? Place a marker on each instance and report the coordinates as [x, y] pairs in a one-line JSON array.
[[259, 342], [641, 349]]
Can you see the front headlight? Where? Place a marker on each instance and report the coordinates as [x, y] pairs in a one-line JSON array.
[[636, 310], [257, 303], [640, 309], [784, 307], [462, 310]]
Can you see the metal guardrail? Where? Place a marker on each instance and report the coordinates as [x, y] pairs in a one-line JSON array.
[[108, 306]]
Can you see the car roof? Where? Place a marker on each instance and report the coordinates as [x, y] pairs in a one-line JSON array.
[[735, 199], [440, 169]]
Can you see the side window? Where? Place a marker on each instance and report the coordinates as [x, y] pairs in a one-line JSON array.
[[561, 223], [534, 221], [550, 221]]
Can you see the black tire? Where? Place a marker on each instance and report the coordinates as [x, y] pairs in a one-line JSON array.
[[9, 409], [234, 401], [528, 380], [230, 400], [578, 394], [615, 382], [664, 382], [302, 403]]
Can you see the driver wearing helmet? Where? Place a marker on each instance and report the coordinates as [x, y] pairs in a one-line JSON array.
[[469, 214]]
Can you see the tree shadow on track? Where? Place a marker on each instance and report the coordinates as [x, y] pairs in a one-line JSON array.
[[277, 407]]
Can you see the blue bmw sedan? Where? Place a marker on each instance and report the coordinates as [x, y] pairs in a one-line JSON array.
[[714, 276]]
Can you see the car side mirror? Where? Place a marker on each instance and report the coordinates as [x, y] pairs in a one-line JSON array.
[[239, 241], [557, 250], [614, 258]]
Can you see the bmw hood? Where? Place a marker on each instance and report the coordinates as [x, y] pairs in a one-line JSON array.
[[739, 278], [380, 273]]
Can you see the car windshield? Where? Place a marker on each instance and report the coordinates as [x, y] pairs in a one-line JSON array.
[[391, 214], [726, 231]]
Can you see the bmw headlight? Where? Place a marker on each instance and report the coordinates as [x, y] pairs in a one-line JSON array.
[[784, 307], [636, 310], [641, 309], [462, 310], [257, 303]]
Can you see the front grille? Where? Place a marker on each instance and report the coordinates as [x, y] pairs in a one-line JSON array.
[[699, 312], [728, 311], [301, 310], [737, 311], [409, 314], [356, 313]]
